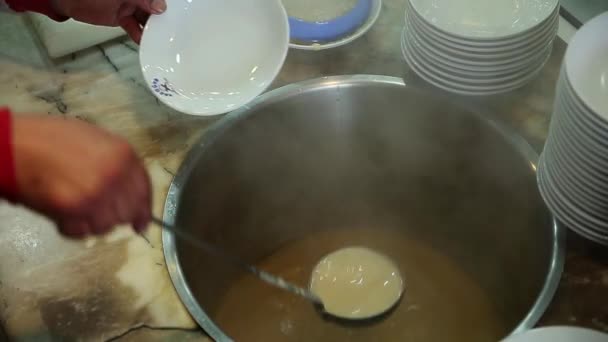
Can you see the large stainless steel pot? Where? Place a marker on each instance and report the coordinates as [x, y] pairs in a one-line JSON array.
[[342, 151]]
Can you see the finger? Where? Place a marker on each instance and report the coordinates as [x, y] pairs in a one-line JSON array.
[[125, 202], [141, 17], [151, 6], [142, 196], [126, 10], [132, 27], [142, 221], [122, 208], [104, 219], [75, 229]]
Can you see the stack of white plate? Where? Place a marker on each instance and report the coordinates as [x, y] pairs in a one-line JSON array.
[[573, 168], [479, 47]]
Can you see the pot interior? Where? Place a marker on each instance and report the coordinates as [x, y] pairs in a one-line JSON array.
[[443, 192]]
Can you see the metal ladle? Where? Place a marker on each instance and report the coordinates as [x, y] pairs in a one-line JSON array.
[[266, 277]]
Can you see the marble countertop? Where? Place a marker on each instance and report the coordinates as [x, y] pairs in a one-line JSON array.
[[117, 287]]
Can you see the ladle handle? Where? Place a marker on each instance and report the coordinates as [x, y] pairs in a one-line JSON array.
[[213, 250]]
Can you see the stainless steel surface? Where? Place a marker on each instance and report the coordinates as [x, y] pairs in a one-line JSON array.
[[309, 156], [212, 250]]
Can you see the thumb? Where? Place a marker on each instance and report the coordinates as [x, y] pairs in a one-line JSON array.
[[151, 6]]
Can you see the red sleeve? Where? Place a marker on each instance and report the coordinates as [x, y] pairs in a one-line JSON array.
[[8, 179], [39, 6]]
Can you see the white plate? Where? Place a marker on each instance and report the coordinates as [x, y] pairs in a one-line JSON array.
[[483, 19], [211, 57], [466, 45], [577, 189], [449, 87], [510, 53], [466, 66], [431, 76], [566, 213], [592, 125], [579, 104], [446, 53], [586, 64], [443, 68], [451, 56], [580, 207], [564, 216], [471, 78], [595, 137], [483, 43], [492, 70], [587, 137], [584, 166]]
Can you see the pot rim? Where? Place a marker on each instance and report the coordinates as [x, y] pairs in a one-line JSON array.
[[535, 313]]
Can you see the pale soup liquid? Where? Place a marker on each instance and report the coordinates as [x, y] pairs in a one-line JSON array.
[[440, 302], [356, 283]]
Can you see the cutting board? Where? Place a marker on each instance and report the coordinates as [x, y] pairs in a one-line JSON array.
[[60, 39]]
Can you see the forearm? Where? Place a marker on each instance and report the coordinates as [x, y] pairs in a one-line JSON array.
[[39, 6], [8, 179]]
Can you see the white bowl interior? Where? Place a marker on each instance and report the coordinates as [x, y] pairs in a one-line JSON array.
[[210, 57], [483, 18], [587, 64]]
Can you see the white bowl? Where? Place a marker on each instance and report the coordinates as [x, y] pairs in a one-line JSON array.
[[586, 64], [487, 70], [577, 178], [582, 124], [211, 57], [566, 212], [563, 213], [500, 62], [577, 154], [583, 132], [473, 78], [430, 76], [483, 19], [564, 209], [546, 35], [495, 44], [577, 172]]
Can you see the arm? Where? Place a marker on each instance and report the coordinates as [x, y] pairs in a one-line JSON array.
[[39, 6], [85, 179], [8, 181], [131, 15]]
